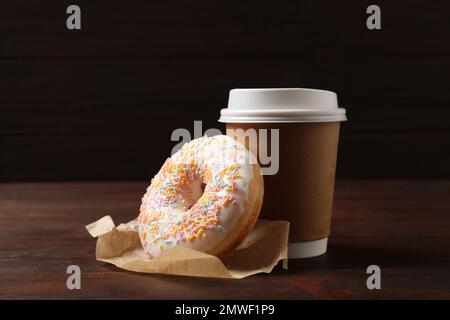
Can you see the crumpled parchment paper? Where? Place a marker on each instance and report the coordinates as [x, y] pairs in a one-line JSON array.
[[261, 251]]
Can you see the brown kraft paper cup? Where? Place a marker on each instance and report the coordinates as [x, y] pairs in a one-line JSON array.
[[302, 190]]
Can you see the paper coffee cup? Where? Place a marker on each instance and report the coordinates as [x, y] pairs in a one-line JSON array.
[[301, 191]]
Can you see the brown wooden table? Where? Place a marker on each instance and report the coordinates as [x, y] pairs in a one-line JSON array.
[[402, 226]]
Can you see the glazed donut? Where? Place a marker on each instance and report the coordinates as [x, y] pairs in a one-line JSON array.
[[207, 197]]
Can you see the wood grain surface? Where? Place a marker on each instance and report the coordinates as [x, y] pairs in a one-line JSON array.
[[402, 226]]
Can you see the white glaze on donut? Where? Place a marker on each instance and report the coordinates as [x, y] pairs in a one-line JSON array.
[[175, 212]]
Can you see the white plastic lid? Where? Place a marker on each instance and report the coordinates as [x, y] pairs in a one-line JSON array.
[[282, 105]]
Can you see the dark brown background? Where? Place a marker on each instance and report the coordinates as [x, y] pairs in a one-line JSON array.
[[101, 103]]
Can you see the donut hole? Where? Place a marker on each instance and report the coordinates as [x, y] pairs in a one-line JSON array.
[[192, 193]]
